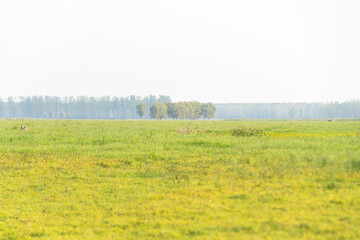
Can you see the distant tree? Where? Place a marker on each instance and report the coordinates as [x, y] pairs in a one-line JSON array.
[[195, 112], [182, 110], [208, 110], [12, 107], [189, 110], [106, 107], [2, 114], [141, 109], [158, 110], [163, 98], [51, 114], [172, 110], [63, 115], [292, 112]]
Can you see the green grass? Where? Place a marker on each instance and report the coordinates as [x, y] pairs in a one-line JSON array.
[[144, 180]]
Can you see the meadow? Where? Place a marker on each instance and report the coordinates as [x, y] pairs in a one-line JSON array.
[[88, 179]]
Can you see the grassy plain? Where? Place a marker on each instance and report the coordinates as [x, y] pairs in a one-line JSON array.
[[143, 180]]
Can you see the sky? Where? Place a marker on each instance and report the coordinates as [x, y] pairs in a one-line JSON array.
[[224, 51]]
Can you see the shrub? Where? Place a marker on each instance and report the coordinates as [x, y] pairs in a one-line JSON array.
[[353, 165], [247, 131]]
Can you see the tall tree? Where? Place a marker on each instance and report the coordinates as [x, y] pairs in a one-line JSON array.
[[2, 113], [195, 110], [182, 110], [158, 110], [208, 110], [141, 109]]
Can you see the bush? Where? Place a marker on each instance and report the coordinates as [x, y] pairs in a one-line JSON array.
[[247, 131], [353, 165]]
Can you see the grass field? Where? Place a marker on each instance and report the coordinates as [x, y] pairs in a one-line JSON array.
[[143, 180]]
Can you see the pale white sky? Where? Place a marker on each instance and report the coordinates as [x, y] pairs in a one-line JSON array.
[[218, 51]]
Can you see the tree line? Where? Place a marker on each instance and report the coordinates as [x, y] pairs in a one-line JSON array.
[[346, 110], [106, 107], [179, 110], [82, 107]]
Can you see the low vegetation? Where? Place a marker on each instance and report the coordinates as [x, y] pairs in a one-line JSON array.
[[70, 179], [245, 131]]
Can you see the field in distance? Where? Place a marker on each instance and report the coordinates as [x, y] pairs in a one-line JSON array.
[[85, 179]]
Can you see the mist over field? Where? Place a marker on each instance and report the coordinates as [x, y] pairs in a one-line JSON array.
[[107, 107]]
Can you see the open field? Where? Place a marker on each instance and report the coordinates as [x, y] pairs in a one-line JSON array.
[[143, 180]]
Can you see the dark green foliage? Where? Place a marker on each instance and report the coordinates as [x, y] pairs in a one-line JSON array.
[[208, 110], [158, 111], [172, 110], [236, 197], [190, 110], [354, 165], [247, 131]]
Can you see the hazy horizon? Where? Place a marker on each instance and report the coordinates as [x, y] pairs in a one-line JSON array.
[[17, 98], [210, 51]]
